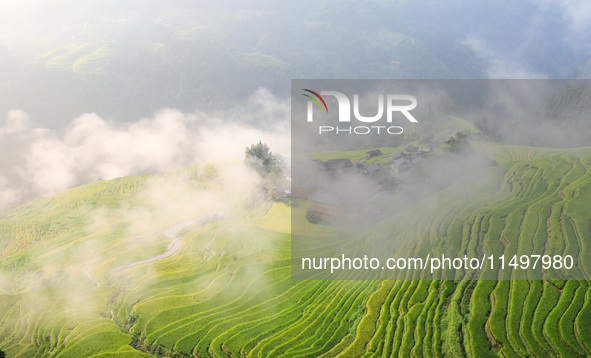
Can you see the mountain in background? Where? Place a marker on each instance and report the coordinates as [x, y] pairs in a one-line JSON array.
[[62, 58]]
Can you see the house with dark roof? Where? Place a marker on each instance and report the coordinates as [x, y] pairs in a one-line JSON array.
[[412, 148], [373, 153]]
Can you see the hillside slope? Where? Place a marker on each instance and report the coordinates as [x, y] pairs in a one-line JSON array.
[[228, 292]]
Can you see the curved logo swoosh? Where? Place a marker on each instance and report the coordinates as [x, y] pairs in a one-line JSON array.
[[315, 100]]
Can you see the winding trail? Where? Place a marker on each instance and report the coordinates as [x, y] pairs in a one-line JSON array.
[[175, 244], [210, 250], [92, 279]]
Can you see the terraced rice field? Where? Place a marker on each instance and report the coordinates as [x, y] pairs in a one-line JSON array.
[[228, 291]]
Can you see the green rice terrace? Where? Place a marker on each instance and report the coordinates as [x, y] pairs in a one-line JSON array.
[[68, 289]]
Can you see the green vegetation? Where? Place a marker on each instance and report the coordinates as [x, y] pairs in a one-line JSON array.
[[228, 292], [67, 58], [260, 158], [457, 143], [356, 155], [94, 62]]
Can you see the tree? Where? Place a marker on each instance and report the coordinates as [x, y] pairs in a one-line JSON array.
[[260, 158], [457, 143]]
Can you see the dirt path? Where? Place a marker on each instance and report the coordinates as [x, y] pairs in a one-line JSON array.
[[175, 244], [92, 279]]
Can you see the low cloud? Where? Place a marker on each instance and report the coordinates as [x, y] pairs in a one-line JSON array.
[[501, 65], [40, 161], [550, 40], [576, 12]]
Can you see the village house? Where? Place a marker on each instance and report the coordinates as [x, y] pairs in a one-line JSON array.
[[373, 153]]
